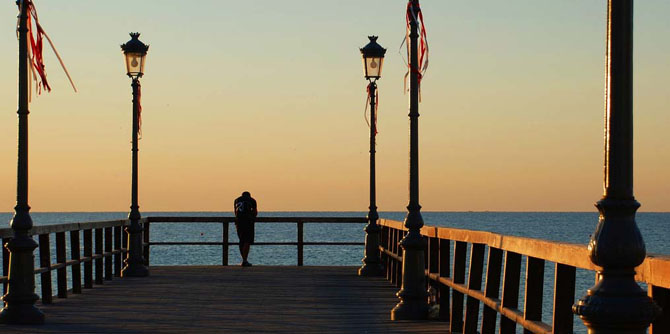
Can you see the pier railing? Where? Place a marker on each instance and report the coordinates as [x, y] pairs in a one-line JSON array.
[[100, 248], [225, 222], [93, 245], [454, 281], [456, 267]]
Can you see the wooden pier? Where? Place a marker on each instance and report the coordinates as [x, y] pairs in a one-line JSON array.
[[476, 278], [233, 299], [300, 299]]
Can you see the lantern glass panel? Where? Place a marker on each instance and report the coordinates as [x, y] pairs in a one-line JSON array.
[[135, 64], [373, 67]]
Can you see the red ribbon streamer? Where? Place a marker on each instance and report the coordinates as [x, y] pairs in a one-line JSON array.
[[367, 103], [139, 113], [36, 36], [35, 54], [420, 70]]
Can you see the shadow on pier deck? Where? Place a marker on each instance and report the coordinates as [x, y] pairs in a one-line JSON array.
[[218, 299]]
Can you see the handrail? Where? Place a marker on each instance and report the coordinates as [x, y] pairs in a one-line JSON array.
[[100, 247], [104, 243], [67, 227], [655, 271], [230, 219], [225, 243]]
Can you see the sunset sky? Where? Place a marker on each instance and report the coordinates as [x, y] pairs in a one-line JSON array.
[[268, 96]]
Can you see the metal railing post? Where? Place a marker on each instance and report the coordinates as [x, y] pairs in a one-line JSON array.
[[75, 253], [146, 241], [45, 262], [300, 242], [61, 258], [224, 247], [88, 253]]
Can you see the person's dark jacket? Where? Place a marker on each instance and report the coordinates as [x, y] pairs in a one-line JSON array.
[[245, 208]]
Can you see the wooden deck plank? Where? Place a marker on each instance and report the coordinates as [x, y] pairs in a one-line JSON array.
[[209, 299]]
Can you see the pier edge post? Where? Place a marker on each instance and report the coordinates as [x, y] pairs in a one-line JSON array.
[[413, 303], [20, 298], [617, 304], [371, 262]]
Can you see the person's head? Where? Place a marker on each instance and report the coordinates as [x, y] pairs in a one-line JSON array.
[[246, 194]]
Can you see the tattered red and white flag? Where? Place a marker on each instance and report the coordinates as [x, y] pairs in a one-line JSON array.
[[422, 66], [36, 36]]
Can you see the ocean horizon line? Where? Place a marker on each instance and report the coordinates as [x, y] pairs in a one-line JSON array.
[[333, 211]]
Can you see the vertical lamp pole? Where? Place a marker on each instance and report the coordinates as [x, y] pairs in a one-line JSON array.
[[413, 297], [135, 54], [20, 298], [373, 59], [616, 304]]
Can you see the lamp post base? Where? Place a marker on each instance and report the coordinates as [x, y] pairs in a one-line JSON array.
[[371, 270], [616, 305], [410, 309], [413, 303], [371, 263], [20, 299], [21, 314], [137, 270], [134, 263]]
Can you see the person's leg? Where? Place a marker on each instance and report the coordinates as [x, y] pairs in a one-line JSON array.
[[250, 240], [246, 238], [240, 236], [244, 251]]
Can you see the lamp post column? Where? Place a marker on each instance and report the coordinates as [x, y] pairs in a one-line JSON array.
[[371, 263], [134, 263], [616, 304], [413, 297], [20, 298]]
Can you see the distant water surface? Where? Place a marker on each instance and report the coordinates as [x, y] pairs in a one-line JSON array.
[[575, 227]]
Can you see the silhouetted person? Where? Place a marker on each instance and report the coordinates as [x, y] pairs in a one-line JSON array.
[[245, 217]]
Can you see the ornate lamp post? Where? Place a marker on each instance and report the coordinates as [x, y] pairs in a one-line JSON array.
[[616, 304], [413, 297], [135, 53], [373, 59], [20, 298]]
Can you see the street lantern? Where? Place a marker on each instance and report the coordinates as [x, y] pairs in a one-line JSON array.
[[373, 59], [136, 53]]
